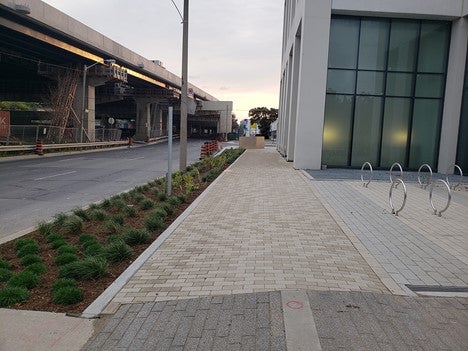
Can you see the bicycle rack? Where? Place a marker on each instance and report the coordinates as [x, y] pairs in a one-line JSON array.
[[449, 198], [391, 172], [428, 178], [447, 176], [390, 195], [364, 184]]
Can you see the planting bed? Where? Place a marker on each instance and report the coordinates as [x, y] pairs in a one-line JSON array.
[[64, 265]]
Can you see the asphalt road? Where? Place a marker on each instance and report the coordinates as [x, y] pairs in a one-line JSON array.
[[35, 189]]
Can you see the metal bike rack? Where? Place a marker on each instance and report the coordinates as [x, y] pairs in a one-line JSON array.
[[364, 184], [447, 176], [390, 195], [428, 178], [449, 198], [391, 172]]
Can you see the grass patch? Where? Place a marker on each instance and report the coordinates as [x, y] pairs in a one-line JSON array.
[[23, 242], [94, 249], [58, 243], [119, 218], [174, 201], [136, 236], [64, 258], [131, 211], [146, 204], [154, 222], [28, 249], [63, 283], [52, 237], [88, 268], [84, 238], [68, 295], [30, 259], [112, 227], [45, 228], [73, 225], [98, 214], [36, 268], [5, 274], [162, 196], [83, 214], [118, 251], [12, 294], [5, 264], [67, 249], [60, 218], [25, 279]]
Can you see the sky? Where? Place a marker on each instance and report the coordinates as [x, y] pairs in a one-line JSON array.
[[234, 45]]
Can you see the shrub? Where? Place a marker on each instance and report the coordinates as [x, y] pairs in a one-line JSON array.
[[23, 241], [67, 296], [168, 208], [131, 211], [84, 238], [63, 283], [106, 204], [5, 274], [139, 189], [173, 200], [136, 236], [36, 268], [60, 218], [118, 203], [83, 214], [12, 294], [67, 249], [73, 225], [98, 215], [93, 207], [25, 279], [118, 251], [160, 211], [65, 258], [45, 228], [53, 237], [182, 198], [113, 238], [94, 249], [125, 196], [86, 269], [154, 222], [119, 218], [112, 227], [28, 249], [57, 243], [146, 204], [162, 196], [5, 264], [30, 259]]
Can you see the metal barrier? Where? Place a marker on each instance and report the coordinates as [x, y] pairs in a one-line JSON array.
[[449, 198], [428, 178], [390, 196], [364, 184], [447, 176], [391, 171]]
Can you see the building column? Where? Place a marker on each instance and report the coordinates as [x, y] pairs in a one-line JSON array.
[[312, 84], [453, 95], [143, 120]]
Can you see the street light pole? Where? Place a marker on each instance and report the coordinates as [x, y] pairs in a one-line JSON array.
[[184, 98]]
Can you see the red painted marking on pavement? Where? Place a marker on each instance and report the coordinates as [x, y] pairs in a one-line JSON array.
[[295, 305]]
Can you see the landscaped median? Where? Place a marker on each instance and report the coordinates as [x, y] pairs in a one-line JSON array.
[[64, 265]]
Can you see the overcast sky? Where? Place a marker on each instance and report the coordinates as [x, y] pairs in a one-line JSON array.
[[234, 45]]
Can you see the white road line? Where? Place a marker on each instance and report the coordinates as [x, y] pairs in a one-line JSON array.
[[55, 175], [137, 158]]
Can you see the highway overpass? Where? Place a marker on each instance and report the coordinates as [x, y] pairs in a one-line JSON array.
[[50, 58]]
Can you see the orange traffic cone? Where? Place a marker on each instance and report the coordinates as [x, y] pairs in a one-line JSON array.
[[203, 151]]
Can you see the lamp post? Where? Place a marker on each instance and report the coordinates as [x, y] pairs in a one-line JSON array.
[[184, 98], [83, 110]]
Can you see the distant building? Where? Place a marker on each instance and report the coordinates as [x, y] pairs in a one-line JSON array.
[[379, 81]]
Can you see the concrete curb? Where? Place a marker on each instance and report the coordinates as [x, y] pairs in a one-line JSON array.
[[98, 305]]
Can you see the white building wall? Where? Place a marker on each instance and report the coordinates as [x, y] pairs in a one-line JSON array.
[[313, 17]]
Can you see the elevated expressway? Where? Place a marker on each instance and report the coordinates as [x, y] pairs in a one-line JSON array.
[[39, 46]]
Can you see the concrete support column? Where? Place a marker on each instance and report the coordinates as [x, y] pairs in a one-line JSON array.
[[143, 120], [453, 94], [159, 121], [89, 122], [312, 84]]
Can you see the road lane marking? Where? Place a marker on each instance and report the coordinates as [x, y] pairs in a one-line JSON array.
[[55, 175], [137, 158]]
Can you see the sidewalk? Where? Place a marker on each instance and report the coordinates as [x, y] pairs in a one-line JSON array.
[[271, 259]]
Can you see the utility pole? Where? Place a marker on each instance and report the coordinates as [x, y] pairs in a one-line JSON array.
[[184, 98]]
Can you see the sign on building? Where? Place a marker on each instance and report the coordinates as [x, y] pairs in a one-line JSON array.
[[4, 123]]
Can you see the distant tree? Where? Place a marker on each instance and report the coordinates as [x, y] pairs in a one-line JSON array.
[[263, 116], [235, 124]]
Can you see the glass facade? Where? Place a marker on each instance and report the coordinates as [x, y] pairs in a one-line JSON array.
[[385, 90], [462, 151]]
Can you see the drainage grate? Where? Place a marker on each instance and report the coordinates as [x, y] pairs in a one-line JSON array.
[[438, 288]]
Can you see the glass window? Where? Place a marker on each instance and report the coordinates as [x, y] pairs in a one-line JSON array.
[[337, 129], [370, 83], [430, 85], [462, 150], [424, 133], [402, 50], [433, 47], [373, 44], [341, 81], [395, 131], [344, 36], [366, 134], [399, 84]]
